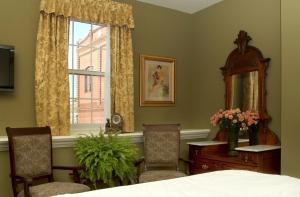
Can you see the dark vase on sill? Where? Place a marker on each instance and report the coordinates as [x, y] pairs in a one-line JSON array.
[[253, 135], [233, 135]]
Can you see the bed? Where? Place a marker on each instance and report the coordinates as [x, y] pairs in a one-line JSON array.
[[227, 183]]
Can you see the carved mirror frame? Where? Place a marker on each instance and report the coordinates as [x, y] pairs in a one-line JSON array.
[[243, 59]]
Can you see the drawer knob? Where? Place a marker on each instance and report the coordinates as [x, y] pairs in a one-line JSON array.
[[204, 166]]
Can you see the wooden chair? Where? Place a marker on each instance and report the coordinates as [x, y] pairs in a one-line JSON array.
[[30, 151], [161, 152]]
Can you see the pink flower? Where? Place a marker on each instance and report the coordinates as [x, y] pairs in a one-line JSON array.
[[229, 117], [241, 117]]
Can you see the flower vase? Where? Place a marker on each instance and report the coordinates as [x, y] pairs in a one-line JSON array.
[[253, 135], [233, 135]]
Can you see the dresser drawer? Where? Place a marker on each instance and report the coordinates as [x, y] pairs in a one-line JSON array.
[[249, 158], [211, 158], [234, 166], [206, 165], [201, 166]]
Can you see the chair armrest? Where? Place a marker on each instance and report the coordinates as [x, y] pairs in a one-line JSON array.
[[139, 161], [137, 164], [186, 161], [26, 183], [67, 167], [75, 171]]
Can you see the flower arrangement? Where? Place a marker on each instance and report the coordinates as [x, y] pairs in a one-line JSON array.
[[235, 118], [252, 118], [252, 121]]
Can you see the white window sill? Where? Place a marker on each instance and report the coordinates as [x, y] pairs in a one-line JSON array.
[[136, 137]]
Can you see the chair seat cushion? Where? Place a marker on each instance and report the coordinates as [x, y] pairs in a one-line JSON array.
[[55, 188], [156, 175]]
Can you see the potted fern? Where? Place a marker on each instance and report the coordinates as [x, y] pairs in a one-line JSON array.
[[106, 160]]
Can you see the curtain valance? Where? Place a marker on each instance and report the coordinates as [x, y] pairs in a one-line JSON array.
[[97, 11]]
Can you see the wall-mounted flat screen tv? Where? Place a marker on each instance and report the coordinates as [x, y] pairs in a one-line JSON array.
[[6, 68]]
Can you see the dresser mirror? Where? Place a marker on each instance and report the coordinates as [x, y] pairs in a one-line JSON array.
[[245, 86], [244, 93]]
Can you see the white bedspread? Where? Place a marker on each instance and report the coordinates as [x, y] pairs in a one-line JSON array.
[[228, 183]]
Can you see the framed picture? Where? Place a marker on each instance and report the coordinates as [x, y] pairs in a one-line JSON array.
[[157, 81]]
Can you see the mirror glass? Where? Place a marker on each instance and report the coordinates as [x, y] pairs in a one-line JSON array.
[[245, 91]]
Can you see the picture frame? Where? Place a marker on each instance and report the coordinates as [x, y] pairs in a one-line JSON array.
[[157, 80]]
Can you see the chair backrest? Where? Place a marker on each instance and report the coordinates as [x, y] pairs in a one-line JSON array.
[[161, 144], [30, 151]]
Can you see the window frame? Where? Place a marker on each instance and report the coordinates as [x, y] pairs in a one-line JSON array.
[[88, 81], [76, 128]]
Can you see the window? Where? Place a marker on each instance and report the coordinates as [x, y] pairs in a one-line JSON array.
[[88, 82], [89, 76]]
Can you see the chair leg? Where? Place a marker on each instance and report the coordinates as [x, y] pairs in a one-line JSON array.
[[26, 189], [76, 176], [14, 187]]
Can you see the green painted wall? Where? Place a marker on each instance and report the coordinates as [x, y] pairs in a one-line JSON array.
[[155, 34], [18, 24], [215, 29], [164, 32], [5, 184], [290, 106]]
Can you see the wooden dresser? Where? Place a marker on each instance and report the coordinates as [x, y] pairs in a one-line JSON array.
[[210, 156]]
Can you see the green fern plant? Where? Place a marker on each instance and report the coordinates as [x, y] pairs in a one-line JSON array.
[[107, 159]]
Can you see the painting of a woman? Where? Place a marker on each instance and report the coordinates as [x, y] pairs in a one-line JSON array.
[[158, 80], [159, 87]]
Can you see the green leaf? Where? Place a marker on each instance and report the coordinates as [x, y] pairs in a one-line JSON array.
[[106, 159]]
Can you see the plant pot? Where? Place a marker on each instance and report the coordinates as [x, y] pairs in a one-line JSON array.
[[233, 135]]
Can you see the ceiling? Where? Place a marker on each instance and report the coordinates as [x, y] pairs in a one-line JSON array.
[[188, 6]]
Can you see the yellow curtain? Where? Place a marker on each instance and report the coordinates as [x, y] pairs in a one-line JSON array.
[[51, 74], [122, 75], [97, 11]]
